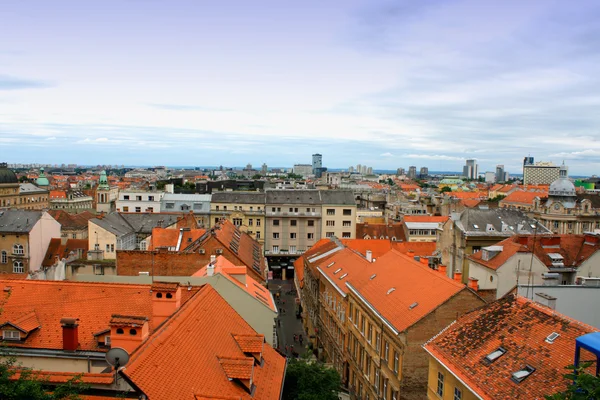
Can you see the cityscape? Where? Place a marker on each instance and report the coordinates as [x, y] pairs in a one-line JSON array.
[[327, 201]]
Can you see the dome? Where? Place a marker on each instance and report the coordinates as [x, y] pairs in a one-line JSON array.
[[562, 187], [42, 180], [7, 175]]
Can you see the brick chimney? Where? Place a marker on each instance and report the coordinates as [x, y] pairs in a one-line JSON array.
[[410, 253], [166, 300], [442, 269], [424, 260], [458, 276], [128, 331], [70, 333], [473, 283]]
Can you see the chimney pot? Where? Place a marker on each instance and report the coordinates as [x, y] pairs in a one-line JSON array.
[[369, 256], [213, 258], [458, 276], [442, 269], [473, 283], [70, 333]]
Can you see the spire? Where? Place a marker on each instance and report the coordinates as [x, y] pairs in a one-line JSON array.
[[42, 180], [103, 185]]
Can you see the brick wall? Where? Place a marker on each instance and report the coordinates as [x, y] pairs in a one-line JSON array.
[[415, 360]]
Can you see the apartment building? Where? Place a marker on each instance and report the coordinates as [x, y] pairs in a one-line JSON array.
[[139, 201], [25, 196], [338, 219], [245, 210], [199, 204]]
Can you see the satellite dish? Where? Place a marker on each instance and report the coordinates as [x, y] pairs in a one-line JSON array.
[[117, 357]]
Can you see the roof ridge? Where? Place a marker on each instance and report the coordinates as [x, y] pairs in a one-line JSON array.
[[553, 313], [74, 283]]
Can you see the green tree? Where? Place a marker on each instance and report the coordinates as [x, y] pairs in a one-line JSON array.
[[310, 381], [584, 386], [446, 189]]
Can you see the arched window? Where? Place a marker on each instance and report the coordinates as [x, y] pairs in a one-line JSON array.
[[18, 267], [159, 295], [133, 332], [18, 249], [3, 257], [120, 331], [169, 296]]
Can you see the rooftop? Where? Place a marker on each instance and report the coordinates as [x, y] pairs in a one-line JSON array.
[[18, 221]]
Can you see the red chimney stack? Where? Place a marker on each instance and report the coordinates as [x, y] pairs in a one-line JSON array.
[[70, 333]]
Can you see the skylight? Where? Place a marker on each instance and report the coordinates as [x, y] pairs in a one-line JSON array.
[[372, 277], [521, 374], [343, 276], [413, 305], [331, 264], [337, 270], [391, 290], [475, 226], [552, 337], [493, 356]]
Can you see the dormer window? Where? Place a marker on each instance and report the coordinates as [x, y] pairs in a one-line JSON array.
[[522, 374], [493, 356], [11, 335]]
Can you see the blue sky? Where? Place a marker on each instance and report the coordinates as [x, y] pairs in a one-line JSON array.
[[383, 83]]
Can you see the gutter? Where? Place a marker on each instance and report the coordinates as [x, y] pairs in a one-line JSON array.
[[283, 380]]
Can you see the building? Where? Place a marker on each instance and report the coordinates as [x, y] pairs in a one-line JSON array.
[[522, 200], [24, 239], [245, 210], [500, 173], [511, 349], [470, 170], [540, 173], [423, 172], [317, 163], [106, 195], [338, 220], [167, 329], [303, 169], [400, 171], [412, 172], [422, 228], [490, 177], [391, 231], [71, 201], [471, 230], [199, 204], [24, 196], [72, 226], [139, 201]]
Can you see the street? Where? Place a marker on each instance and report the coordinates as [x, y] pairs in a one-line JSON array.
[[289, 324]]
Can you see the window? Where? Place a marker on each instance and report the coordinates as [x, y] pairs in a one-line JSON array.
[[11, 335], [237, 222], [292, 235], [74, 236], [347, 211], [362, 325], [125, 208], [522, 374], [150, 198], [257, 222], [18, 249], [386, 352], [369, 333], [126, 197], [555, 225], [216, 221], [350, 312], [18, 267], [275, 249], [493, 356], [292, 249], [275, 222], [150, 209], [330, 223], [258, 234], [329, 234], [346, 235], [3, 257], [396, 361], [107, 248], [394, 395], [355, 316], [310, 222], [291, 209], [440, 385], [457, 394], [273, 209], [138, 209], [293, 222], [275, 235], [250, 222], [98, 270], [377, 342], [197, 206], [385, 386], [310, 236], [377, 381], [330, 211], [570, 225], [347, 223], [112, 248], [171, 205]]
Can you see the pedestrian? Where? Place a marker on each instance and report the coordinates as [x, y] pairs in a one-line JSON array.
[[295, 338], [300, 339], [278, 323], [292, 348], [283, 301], [287, 348]]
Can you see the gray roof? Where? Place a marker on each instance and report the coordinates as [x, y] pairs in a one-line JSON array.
[[501, 222], [338, 197], [124, 223], [186, 197], [239, 197], [309, 196], [31, 188], [18, 221]]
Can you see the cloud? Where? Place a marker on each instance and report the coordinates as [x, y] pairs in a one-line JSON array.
[[12, 83], [388, 154]]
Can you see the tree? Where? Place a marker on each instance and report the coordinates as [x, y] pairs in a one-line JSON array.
[[446, 189], [584, 387], [30, 386], [310, 381]]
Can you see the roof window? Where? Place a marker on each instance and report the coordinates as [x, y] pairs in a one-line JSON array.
[[475, 226], [522, 374], [552, 337], [372, 277], [493, 356], [391, 290], [330, 264], [343, 276], [336, 271], [413, 305]]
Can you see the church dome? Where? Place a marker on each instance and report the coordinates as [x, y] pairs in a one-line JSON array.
[[7, 175], [42, 180], [562, 186]]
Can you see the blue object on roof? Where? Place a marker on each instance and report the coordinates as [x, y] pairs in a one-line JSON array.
[[591, 343]]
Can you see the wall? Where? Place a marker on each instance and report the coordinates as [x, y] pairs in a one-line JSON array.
[[7, 241], [590, 267], [450, 383], [102, 237], [338, 230], [59, 364], [39, 239]]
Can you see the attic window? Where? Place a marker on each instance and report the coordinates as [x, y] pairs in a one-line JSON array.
[[343, 276], [552, 337], [413, 305], [522, 374], [391, 290], [493, 356], [11, 335], [336, 271], [372, 277]]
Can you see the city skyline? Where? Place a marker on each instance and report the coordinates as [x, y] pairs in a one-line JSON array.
[[390, 84]]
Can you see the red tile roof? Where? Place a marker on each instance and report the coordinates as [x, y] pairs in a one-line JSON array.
[[58, 251], [470, 203], [181, 360], [520, 197], [378, 247], [51, 301], [163, 237], [421, 249], [250, 343], [237, 367], [58, 194], [72, 221], [469, 195], [521, 327], [380, 231], [64, 377], [425, 218]]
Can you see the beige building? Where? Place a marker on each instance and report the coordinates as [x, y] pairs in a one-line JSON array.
[[246, 210], [24, 196], [71, 201]]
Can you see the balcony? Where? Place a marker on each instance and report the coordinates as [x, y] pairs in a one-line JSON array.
[[316, 214], [284, 253]]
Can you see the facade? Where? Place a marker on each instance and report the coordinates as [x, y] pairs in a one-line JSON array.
[[139, 201], [540, 173], [423, 172], [500, 173], [72, 226], [23, 196], [490, 177], [470, 170], [25, 236], [422, 228], [303, 169], [511, 349], [199, 204], [245, 210], [72, 201], [412, 172], [317, 163]]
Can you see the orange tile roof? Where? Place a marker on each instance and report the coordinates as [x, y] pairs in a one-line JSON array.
[[26, 322], [51, 301], [163, 237], [378, 247], [248, 251], [237, 367], [343, 266], [380, 231], [509, 249], [64, 377], [403, 291], [58, 194], [250, 343], [127, 320], [425, 218], [469, 195], [58, 251], [470, 203], [521, 327], [421, 249], [72, 221], [522, 198], [181, 359]]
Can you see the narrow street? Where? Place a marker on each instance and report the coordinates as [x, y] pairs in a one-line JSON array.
[[289, 325]]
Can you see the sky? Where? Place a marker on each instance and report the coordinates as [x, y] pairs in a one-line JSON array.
[[387, 84]]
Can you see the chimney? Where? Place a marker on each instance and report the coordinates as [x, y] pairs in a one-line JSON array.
[[442, 269], [424, 260], [410, 253], [210, 268], [369, 256], [458, 276], [128, 331], [70, 333], [473, 283], [166, 300]]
